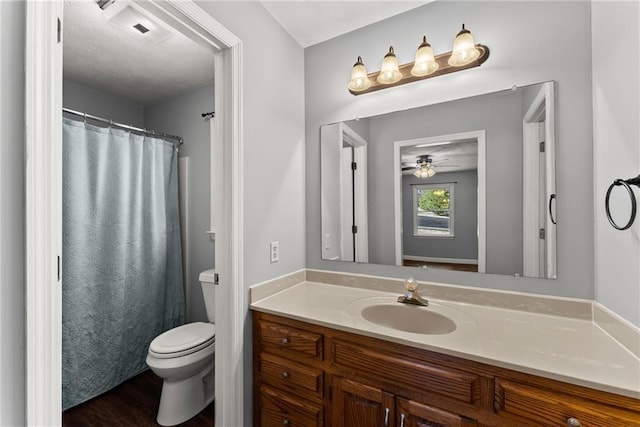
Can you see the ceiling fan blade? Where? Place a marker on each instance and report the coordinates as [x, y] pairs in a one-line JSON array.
[[439, 161]]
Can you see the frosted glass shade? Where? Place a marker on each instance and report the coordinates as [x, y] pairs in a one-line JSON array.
[[389, 72], [359, 79], [424, 63], [464, 49], [425, 171]]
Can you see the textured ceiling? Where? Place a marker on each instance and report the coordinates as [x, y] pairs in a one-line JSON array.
[[101, 56]]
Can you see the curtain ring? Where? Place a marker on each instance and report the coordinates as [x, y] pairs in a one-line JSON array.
[[632, 197]]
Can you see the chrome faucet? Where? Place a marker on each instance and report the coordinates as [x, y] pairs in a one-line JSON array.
[[411, 295]]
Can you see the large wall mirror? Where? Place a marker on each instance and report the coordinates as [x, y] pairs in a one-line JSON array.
[[464, 185]]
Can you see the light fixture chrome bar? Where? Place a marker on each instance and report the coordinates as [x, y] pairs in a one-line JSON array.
[[123, 126]]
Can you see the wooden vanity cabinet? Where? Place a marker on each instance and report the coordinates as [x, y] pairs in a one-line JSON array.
[[308, 375], [356, 404]]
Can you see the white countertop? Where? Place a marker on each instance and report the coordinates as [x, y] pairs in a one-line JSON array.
[[566, 349]]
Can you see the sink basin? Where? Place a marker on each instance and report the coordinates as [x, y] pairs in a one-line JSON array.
[[415, 319], [385, 314]]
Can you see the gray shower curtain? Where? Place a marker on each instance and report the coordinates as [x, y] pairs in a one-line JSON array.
[[121, 255]]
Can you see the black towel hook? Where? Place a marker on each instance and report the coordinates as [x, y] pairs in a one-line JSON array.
[[626, 183]]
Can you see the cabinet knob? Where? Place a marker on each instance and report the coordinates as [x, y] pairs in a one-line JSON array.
[[402, 416], [574, 422], [285, 422], [284, 341], [285, 374]]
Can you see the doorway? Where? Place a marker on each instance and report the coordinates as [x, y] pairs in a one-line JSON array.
[[43, 100], [539, 186], [456, 160], [344, 194]]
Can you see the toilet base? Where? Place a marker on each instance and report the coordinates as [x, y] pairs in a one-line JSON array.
[[184, 399]]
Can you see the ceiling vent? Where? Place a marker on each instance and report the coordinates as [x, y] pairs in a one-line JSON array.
[[135, 21]]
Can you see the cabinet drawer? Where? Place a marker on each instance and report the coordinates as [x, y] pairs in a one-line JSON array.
[[551, 408], [288, 375], [278, 409], [409, 373], [290, 342]]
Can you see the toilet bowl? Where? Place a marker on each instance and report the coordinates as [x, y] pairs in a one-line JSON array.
[[184, 358]]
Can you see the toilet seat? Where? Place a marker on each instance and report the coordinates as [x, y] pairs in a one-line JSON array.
[[183, 340]]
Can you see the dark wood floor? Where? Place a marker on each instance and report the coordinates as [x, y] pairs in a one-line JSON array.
[[132, 403]]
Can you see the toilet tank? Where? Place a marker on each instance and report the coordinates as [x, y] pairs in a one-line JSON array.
[[207, 281]]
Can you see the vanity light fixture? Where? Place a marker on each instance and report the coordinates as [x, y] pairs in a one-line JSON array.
[[389, 72], [425, 62], [359, 78], [464, 49], [465, 54]]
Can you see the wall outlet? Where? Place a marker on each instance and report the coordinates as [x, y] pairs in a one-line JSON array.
[[275, 252], [327, 241]]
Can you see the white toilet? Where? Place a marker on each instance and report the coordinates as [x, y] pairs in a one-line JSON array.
[[184, 358]]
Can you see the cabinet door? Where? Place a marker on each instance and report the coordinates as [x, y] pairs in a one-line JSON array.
[[414, 414], [356, 404]]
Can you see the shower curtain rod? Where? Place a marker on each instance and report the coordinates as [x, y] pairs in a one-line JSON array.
[[123, 126]]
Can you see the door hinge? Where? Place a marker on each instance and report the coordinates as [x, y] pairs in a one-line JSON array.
[[354, 229], [59, 30], [354, 166], [216, 279], [542, 234], [59, 269], [542, 147]]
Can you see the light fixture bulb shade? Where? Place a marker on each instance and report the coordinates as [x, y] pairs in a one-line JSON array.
[[424, 171], [425, 62], [359, 78], [464, 49], [389, 71]]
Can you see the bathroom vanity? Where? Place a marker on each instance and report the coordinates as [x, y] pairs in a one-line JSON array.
[[317, 364]]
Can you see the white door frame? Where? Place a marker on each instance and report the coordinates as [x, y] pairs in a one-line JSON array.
[[43, 115], [334, 178], [359, 144], [480, 136], [541, 109]]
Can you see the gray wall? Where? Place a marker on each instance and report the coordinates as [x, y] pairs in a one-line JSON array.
[[12, 212], [361, 127], [181, 115], [549, 51], [87, 100], [617, 151], [464, 244]]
